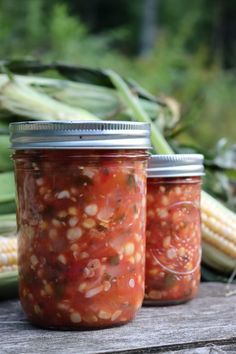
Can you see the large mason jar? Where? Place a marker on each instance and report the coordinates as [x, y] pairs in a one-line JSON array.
[[81, 211]]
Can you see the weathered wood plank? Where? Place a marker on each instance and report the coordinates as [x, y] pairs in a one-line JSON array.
[[207, 320], [208, 349], [188, 349]]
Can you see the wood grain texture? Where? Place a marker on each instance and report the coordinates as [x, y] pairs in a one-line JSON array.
[[208, 349], [206, 325]]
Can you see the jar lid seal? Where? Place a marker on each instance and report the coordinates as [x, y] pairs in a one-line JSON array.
[[176, 165], [79, 135]]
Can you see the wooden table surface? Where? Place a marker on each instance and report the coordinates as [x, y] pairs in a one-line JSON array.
[[205, 325]]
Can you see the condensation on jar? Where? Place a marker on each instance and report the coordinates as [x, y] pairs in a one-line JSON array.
[[81, 249], [173, 233]]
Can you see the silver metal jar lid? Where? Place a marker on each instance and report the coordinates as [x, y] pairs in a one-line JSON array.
[[80, 135], [176, 165]]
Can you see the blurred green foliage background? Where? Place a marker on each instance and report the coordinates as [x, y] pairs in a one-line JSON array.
[[180, 48]]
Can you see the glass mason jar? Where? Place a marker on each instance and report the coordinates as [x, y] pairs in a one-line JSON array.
[[173, 235], [81, 249]]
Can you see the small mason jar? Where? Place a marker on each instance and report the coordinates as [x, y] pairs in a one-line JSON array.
[[81, 212], [173, 235]]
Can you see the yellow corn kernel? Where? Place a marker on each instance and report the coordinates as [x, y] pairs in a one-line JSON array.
[[8, 253]]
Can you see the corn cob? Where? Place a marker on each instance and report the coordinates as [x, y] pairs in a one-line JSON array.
[[8, 267], [25, 101], [218, 234], [218, 222], [217, 259], [8, 254], [99, 101]]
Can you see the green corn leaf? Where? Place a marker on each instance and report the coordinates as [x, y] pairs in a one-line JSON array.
[[88, 95], [7, 187], [7, 223], [7, 207], [159, 143], [5, 160], [8, 285]]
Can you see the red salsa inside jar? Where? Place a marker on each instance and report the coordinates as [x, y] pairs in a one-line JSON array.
[[173, 249], [81, 217]]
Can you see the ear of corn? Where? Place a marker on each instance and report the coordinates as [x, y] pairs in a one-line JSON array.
[[8, 254], [218, 222], [218, 234], [8, 267], [88, 101], [217, 259], [25, 101], [8, 247]]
